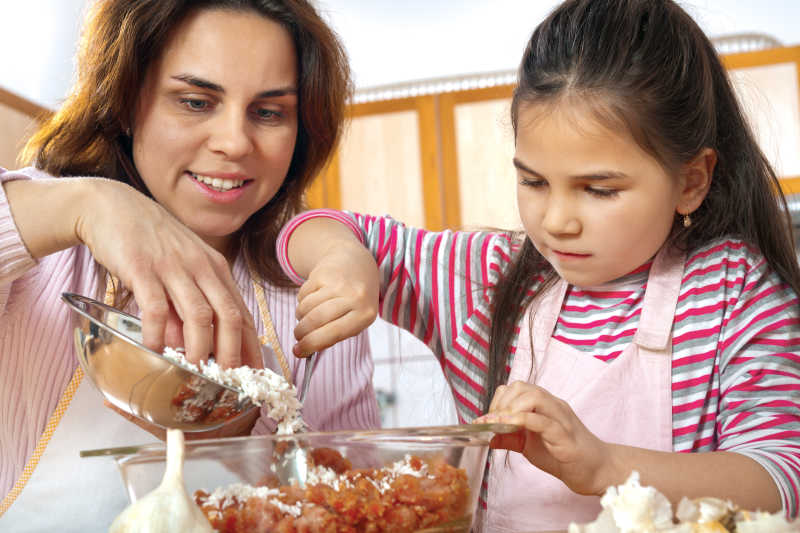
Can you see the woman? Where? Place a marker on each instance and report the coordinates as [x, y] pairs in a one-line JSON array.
[[209, 119]]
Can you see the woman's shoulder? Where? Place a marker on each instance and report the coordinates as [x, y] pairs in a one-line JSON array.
[[22, 173]]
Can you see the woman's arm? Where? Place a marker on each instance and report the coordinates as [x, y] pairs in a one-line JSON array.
[[179, 282]]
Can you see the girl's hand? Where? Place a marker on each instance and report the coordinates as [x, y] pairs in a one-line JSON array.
[[552, 439], [183, 287], [339, 299]]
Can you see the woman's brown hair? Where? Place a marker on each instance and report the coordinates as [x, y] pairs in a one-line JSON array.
[[648, 67], [121, 40]]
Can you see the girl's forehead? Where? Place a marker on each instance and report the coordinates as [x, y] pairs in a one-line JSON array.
[[573, 137], [589, 119]]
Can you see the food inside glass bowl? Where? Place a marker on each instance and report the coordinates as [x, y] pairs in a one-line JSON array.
[[414, 494]]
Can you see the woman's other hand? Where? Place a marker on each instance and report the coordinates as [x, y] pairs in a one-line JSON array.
[[552, 439]]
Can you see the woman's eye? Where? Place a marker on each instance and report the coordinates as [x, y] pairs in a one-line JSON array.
[[267, 114], [194, 104], [602, 192]]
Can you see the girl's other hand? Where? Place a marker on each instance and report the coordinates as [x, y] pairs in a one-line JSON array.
[[552, 439], [183, 287], [339, 299]]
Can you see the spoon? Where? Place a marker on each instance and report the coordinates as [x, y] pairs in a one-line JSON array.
[[311, 364]]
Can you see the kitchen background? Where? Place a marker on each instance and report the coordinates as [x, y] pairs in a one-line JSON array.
[[433, 81]]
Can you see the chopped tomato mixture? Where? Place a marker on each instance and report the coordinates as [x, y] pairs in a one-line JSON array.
[[408, 496]]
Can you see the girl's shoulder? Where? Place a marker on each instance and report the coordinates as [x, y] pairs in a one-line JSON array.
[[728, 253]]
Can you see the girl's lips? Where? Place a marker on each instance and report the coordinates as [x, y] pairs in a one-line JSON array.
[[570, 255]]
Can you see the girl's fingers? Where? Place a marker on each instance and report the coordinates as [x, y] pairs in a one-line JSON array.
[[514, 442], [329, 334]]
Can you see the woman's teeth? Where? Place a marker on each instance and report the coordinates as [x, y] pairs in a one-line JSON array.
[[218, 183]]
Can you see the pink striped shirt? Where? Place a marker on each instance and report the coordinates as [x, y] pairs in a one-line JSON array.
[[735, 339], [37, 359]]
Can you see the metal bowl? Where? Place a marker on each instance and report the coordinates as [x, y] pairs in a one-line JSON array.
[[214, 463], [142, 382]]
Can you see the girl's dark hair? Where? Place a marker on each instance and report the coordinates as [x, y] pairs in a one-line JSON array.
[[121, 40], [646, 64]]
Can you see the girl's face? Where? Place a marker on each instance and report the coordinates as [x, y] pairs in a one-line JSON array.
[[594, 204], [216, 121]]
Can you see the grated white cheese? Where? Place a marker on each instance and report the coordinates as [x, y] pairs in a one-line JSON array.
[[239, 492], [320, 475], [262, 386]]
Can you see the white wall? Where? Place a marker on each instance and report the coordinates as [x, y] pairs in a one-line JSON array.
[[388, 41]]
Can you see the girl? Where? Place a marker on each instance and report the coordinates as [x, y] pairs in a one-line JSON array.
[[207, 157], [649, 309]]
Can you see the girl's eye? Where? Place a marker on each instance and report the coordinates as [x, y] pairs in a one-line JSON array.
[[534, 183], [601, 192], [194, 104]]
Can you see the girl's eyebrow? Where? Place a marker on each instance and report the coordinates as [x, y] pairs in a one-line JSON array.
[[211, 86], [603, 175]]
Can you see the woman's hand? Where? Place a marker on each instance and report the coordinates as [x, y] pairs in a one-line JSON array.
[[340, 297], [183, 287], [552, 439]]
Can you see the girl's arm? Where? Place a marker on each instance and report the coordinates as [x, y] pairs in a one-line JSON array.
[[338, 297], [167, 266], [433, 284]]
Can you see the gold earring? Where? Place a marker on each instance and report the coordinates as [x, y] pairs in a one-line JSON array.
[[687, 221]]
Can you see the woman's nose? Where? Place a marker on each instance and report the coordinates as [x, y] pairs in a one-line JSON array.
[[561, 217], [230, 135]]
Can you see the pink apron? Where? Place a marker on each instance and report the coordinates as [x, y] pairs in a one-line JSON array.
[[627, 401]]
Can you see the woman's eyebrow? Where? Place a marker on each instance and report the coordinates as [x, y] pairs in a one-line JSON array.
[[211, 86]]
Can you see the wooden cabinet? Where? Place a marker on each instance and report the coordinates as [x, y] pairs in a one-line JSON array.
[[18, 119], [443, 160]]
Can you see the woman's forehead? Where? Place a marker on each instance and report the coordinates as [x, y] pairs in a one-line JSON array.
[[231, 47]]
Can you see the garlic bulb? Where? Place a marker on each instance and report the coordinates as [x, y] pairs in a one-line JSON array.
[[169, 507]]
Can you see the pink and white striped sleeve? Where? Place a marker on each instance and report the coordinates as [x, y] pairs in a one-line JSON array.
[[282, 243]]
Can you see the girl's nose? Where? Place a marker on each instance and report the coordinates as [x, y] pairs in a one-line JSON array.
[[230, 135], [560, 217]]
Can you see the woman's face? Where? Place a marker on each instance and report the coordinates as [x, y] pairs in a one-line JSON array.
[[216, 121], [593, 203]]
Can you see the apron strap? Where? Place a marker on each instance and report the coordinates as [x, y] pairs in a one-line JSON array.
[[660, 300]]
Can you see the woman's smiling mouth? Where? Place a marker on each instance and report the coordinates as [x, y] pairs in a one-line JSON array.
[[218, 184]]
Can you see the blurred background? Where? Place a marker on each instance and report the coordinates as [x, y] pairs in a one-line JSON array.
[[429, 140]]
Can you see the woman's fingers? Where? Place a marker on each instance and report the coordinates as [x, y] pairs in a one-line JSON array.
[[155, 310]]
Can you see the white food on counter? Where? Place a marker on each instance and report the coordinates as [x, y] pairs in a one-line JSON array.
[[633, 508]]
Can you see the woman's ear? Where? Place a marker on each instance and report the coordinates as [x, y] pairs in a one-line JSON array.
[[695, 178]]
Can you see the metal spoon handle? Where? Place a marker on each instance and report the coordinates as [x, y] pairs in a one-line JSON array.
[[309, 369]]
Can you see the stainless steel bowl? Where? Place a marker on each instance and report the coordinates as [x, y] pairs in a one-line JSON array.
[[142, 382], [213, 463]]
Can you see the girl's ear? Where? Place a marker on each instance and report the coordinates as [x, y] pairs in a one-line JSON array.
[[695, 181]]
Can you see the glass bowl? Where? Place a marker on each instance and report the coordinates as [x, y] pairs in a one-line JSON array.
[[142, 382], [279, 460]]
